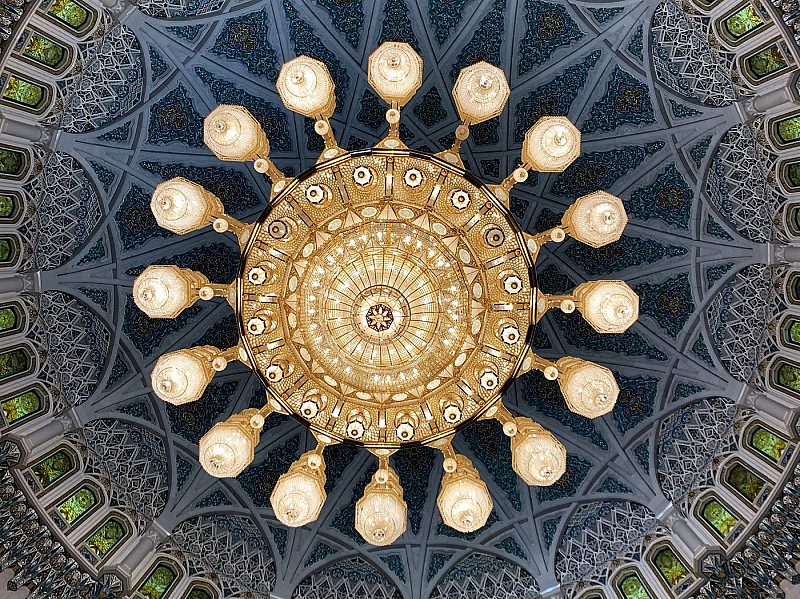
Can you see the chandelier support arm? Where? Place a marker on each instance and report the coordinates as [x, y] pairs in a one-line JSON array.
[[323, 128], [535, 362], [220, 361], [265, 166]]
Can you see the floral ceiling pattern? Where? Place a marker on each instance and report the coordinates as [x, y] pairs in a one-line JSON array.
[[660, 117]]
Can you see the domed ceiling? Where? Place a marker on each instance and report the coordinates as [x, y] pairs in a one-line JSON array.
[[662, 117]]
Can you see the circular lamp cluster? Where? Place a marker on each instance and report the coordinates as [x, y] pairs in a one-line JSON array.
[[386, 297]]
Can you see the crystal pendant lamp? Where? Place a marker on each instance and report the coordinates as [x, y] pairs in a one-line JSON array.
[[386, 297]]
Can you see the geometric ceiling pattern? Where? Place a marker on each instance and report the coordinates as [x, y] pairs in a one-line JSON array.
[[661, 118]]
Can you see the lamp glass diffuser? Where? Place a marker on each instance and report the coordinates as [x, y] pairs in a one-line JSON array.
[[596, 219], [464, 501], [306, 87], [395, 72], [181, 206], [229, 447], [182, 376], [481, 92], [552, 144], [537, 456], [299, 494], [589, 389], [381, 512], [609, 306], [166, 291], [232, 133]]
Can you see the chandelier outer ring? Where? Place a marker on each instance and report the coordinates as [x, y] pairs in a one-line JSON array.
[[285, 194]]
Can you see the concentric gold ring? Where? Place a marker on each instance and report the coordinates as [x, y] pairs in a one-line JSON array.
[[390, 293]]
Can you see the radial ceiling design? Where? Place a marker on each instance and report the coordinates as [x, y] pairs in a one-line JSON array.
[[649, 130]]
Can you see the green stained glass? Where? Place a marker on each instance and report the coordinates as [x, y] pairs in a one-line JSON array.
[[794, 331], [632, 587], [76, 505], [158, 583], [770, 444], [44, 50], [8, 319], [792, 173], [105, 538], [766, 61], [13, 362], [53, 468], [11, 162], [21, 91], [743, 21], [789, 129], [745, 481], [199, 594], [69, 12], [789, 376], [670, 567], [18, 407], [6, 206], [5, 249], [719, 518]]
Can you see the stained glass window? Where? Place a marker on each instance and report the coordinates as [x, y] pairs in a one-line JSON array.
[[788, 129], [69, 12], [21, 406], [44, 50], [719, 518], [197, 593], [158, 583], [633, 588], [746, 482], [53, 468], [77, 505], [8, 252], [767, 443], [670, 566], [24, 92], [14, 361], [792, 332], [788, 376], [766, 61], [11, 162], [791, 172], [104, 539], [743, 21], [8, 319], [7, 204]]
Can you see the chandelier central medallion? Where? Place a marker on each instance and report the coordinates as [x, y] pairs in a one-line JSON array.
[[386, 286], [386, 297]]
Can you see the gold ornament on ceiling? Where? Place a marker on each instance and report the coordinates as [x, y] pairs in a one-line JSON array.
[[386, 297]]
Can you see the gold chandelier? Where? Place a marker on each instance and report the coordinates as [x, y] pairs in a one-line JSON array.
[[386, 297]]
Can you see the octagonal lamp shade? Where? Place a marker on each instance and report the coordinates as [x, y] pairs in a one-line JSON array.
[[609, 306], [299, 494], [464, 501], [536, 455], [181, 377], [381, 512], [166, 291], [589, 389], [596, 219], [395, 72], [232, 133], [481, 92], [181, 206], [306, 87], [551, 145], [229, 447]]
